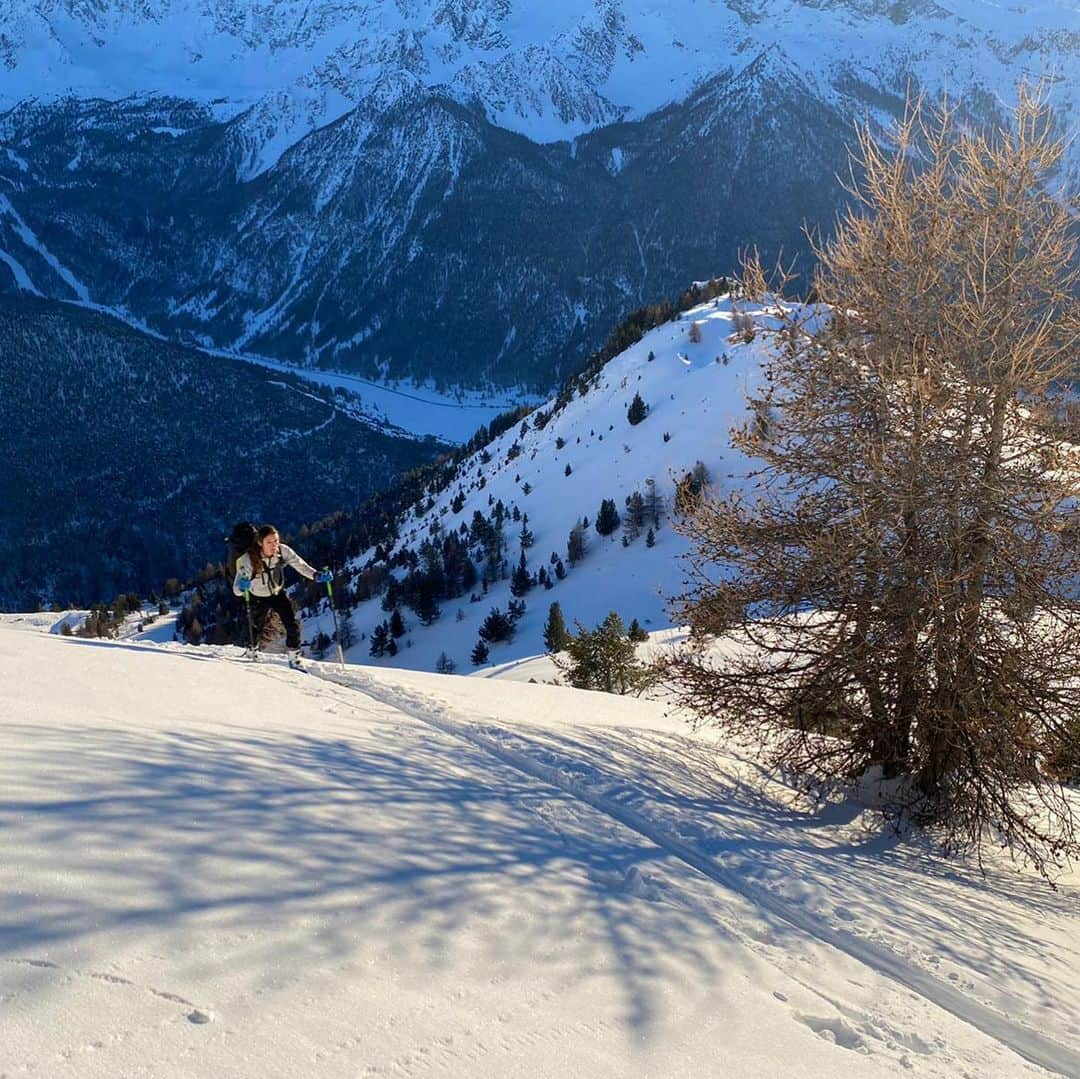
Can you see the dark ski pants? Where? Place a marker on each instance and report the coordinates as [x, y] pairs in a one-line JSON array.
[[261, 606]]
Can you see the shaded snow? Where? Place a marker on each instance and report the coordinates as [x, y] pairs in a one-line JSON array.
[[219, 868]]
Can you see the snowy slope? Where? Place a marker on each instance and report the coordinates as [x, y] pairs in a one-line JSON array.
[[217, 868], [692, 399]]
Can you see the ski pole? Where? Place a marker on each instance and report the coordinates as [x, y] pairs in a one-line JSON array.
[[333, 611], [251, 625]]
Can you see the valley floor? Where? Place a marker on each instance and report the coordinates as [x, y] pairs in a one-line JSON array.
[[216, 868]]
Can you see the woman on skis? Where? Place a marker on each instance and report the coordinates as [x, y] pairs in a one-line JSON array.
[[260, 571]]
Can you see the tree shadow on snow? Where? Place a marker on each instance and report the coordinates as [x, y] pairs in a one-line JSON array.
[[841, 864], [399, 841]]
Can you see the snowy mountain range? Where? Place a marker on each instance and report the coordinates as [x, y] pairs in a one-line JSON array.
[[462, 192], [549, 72]]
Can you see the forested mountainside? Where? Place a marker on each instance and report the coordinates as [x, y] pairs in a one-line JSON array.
[[573, 502], [126, 458], [422, 242]]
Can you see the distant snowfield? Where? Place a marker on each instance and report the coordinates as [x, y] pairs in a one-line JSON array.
[[415, 411], [216, 868]]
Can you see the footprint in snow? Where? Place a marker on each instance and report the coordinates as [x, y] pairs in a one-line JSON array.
[[196, 1015], [691, 830], [836, 1031], [632, 882]]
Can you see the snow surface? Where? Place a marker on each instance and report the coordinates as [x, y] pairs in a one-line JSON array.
[[218, 868]]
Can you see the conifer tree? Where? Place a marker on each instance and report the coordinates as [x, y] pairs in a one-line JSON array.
[[427, 608], [496, 627], [654, 502], [602, 658], [607, 520], [575, 546], [634, 517], [556, 634], [379, 637], [346, 632], [320, 645], [638, 410], [520, 581]]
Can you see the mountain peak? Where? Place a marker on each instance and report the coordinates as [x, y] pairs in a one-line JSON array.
[[550, 72]]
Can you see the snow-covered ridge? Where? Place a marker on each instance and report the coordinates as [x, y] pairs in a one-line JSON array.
[[550, 71], [555, 468]]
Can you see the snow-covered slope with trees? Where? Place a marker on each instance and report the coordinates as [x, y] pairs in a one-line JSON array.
[[147, 452], [554, 469], [214, 868]]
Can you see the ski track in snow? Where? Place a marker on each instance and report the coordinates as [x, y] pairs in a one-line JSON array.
[[1022, 1040], [645, 932]]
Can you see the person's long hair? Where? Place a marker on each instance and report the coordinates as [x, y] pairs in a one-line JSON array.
[[256, 548]]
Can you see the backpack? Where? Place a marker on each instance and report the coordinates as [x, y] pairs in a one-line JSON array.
[[239, 542]]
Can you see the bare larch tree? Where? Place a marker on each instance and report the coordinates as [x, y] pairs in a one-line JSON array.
[[897, 590]]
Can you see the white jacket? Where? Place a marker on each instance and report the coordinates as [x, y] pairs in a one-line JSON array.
[[272, 579]]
